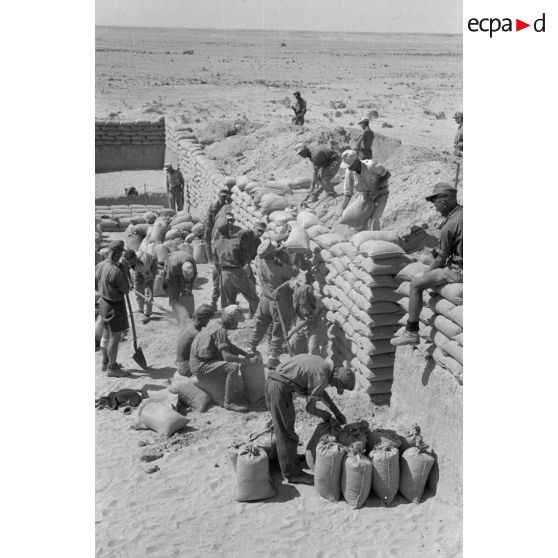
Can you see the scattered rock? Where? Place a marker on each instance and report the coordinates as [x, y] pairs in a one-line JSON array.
[[150, 456], [152, 469], [283, 44], [387, 125]]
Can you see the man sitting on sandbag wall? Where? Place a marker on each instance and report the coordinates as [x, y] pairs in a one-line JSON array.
[[370, 179], [272, 273], [448, 265], [212, 354]]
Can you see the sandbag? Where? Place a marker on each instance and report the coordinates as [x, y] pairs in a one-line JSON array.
[[364, 236], [454, 350], [328, 468], [190, 393], [326, 241], [199, 252], [385, 473], [449, 364], [354, 432], [344, 249], [162, 253], [273, 202], [390, 266], [167, 212], [412, 271], [280, 217], [161, 419], [158, 289], [279, 188], [173, 234], [307, 219], [416, 464], [252, 475], [356, 477], [253, 377], [317, 230], [184, 227], [250, 187], [214, 385], [380, 249], [323, 429], [109, 225], [242, 181], [357, 213], [298, 241], [158, 231], [447, 327], [452, 292], [132, 242], [141, 229], [301, 183], [456, 315], [181, 218]]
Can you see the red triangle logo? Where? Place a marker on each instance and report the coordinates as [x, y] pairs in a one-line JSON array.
[[519, 25]]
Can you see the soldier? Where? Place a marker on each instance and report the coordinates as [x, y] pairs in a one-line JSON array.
[[180, 273], [458, 140], [272, 273], [364, 144], [175, 188], [143, 267], [326, 163], [307, 376], [299, 109]]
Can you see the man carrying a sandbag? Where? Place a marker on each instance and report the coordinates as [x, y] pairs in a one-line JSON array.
[[272, 273], [143, 268], [213, 354], [326, 163], [448, 265], [180, 274], [175, 188], [370, 180], [307, 376], [112, 284], [186, 337]]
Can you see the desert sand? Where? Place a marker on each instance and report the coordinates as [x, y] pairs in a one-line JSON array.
[[175, 497]]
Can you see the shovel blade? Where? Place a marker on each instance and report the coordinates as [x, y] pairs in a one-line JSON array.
[[139, 358]]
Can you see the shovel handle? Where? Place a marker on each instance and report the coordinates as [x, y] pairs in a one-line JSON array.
[[155, 304], [132, 321]]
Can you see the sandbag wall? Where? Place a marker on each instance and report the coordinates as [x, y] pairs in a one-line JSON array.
[[129, 145], [441, 319], [117, 218]]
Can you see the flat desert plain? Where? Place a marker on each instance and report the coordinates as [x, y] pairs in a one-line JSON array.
[[175, 497]]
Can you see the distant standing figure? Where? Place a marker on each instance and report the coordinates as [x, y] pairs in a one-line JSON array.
[[364, 144], [326, 163], [369, 178], [299, 109], [175, 188], [458, 140]]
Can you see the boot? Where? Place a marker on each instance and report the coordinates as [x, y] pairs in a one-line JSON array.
[[300, 478], [408, 338], [229, 405]]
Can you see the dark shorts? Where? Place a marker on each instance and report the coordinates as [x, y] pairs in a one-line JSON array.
[[114, 315]]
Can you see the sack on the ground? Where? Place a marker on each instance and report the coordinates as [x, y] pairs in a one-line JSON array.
[[158, 289], [385, 473], [357, 213], [307, 219], [323, 429], [356, 477], [253, 377], [253, 482], [380, 249], [328, 468], [184, 227], [298, 241], [214, 385], [173, 234], [416, 464], [365, 236], [273, 202], [159, 230], [190, 393], [162, 253], [161, 419]]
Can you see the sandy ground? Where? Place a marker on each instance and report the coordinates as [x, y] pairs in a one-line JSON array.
[[186, 507]]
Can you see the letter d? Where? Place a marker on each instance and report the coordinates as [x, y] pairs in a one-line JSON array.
[[536, 24]]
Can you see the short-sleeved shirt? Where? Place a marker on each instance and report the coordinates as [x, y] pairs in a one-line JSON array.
[[208, 344], [321, 156], [175, 179], [272, 275], [368, 180], [173, 269], [308, 375], [184, 342], [146, 266], [365, 142], [450, 244], [110, 281]]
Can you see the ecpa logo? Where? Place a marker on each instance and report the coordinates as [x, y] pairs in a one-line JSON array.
[[494, 24]]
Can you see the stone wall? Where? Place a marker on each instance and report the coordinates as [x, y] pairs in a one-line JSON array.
[[131, 145]]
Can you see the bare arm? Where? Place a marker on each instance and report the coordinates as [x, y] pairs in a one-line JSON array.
[[338, 414], [229, 356]]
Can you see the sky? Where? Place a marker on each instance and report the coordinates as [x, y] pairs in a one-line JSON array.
[[379, 16]]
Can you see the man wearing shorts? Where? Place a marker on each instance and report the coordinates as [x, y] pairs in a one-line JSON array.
[[112, 285], [448, 265]]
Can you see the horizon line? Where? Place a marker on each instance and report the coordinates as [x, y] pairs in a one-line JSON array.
[[269, 29]]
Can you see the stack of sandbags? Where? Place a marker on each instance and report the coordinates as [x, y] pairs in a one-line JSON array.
[[441, 319], [244, 209], [361, 298]]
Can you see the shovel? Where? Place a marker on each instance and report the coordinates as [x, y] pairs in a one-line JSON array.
[[138, 355], [156, 305], [281, 318]]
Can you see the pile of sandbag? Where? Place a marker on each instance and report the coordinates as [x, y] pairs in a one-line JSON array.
[[441, 319], [356, 463], [115, 218], [360, 293]]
